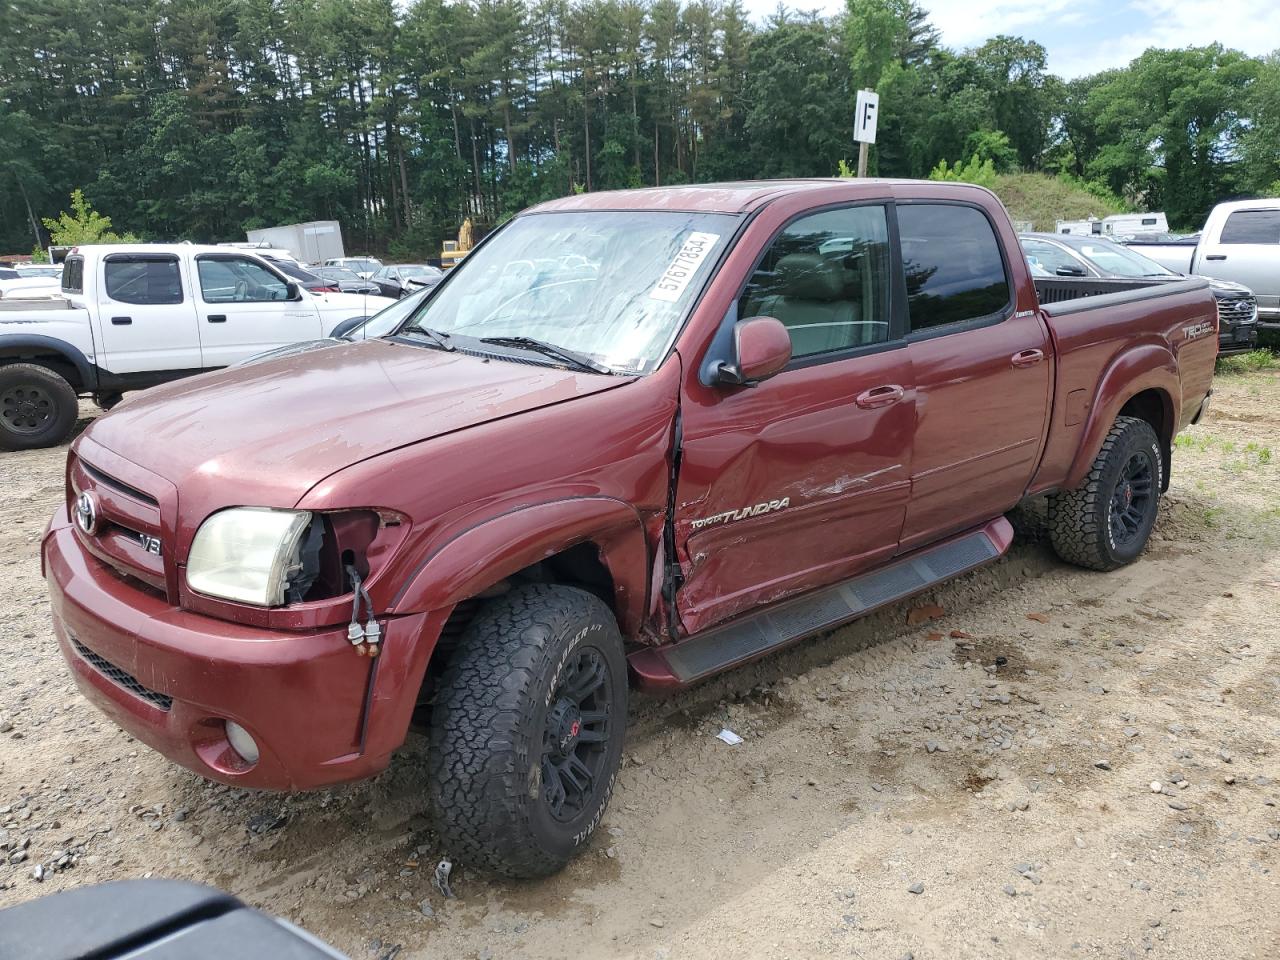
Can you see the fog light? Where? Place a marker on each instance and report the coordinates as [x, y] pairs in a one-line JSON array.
[[241, 742]]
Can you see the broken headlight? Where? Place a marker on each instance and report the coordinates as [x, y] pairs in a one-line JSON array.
[[248, 554]]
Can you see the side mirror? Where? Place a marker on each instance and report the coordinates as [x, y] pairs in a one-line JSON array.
[[1070, 270], [292, 291], [761, 348]]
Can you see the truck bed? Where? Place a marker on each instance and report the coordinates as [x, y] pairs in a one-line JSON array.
[[1100, 330]]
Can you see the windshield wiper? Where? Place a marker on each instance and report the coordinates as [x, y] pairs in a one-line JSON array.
[[438, 337], [549, 350]]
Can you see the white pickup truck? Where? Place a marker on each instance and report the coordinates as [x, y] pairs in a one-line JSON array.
[[135, 315], [1240, 242]]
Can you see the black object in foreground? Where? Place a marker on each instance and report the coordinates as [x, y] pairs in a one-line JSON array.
[[150, 920]]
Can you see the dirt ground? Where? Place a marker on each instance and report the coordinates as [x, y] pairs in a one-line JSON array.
[[1065, 764]]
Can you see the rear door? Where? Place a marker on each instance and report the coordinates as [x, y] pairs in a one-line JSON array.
[[147, 315], [1247, 251], [244, 309], [982, 371], [802, 480]]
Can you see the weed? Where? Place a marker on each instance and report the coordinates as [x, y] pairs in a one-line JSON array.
[[1260, 359]]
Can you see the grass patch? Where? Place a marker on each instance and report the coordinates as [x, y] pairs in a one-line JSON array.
[[1250, 362]]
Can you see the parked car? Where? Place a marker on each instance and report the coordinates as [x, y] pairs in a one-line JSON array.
[[381, 324], [715, 442], [364, 267], [1098, 257], [1240, 242], [21, 284], [348, 280], [39, 269], [402, 278], [309, 281], [135, 315]]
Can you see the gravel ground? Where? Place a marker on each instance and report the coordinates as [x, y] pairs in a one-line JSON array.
[[1061, 764]]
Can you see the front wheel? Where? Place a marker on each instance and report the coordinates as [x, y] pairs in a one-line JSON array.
[[37, 407], [1106, 522], [527, 730]]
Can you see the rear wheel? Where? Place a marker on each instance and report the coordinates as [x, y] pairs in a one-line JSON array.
[[37, 407], [1106, 522], [527, 730]]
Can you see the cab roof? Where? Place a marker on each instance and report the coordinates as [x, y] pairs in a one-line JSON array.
[[732, 197]]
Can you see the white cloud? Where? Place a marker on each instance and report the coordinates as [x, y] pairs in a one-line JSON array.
[[968, 24]]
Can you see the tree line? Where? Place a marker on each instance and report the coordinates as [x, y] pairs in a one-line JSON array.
[[199, 119]]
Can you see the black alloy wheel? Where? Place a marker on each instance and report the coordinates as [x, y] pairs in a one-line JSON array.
[[1131, 501], [576, 735]]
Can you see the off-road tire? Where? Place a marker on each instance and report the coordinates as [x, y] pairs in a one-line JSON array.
[[38, 408], [490, 713], [1080, 520]]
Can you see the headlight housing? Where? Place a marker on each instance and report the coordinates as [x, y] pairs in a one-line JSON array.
[[248, 554]]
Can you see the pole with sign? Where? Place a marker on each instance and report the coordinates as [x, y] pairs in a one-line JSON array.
[[864, 125]]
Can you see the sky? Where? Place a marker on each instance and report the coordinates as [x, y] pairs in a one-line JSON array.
[[1085, 36]]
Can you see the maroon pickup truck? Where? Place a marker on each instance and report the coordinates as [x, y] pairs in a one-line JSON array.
[[636, 438]]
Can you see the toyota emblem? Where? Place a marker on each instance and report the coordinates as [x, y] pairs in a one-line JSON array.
[[87, 513]]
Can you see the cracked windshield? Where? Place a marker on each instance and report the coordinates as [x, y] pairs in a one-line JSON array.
[[610, 287]]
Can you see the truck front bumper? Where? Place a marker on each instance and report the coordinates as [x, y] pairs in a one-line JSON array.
[[172, 679]]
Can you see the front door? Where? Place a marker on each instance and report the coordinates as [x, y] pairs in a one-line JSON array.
[[982, 372], [146, 315], [803, 480], [244, 309]]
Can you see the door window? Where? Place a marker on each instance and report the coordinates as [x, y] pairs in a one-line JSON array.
[[144, 280], [238, 280], [1252, 226], [953, 265], [827, 278], [1051, 258]]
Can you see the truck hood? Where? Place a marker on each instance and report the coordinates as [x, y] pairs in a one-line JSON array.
[[352, 304], [270, 431]]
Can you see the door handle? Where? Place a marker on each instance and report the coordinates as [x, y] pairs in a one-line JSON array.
[[882, 396], [217, 318], [1215, 256], [121, 321], [1027, 358]]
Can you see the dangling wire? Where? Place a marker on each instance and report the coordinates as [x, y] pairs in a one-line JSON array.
[[371, 631]]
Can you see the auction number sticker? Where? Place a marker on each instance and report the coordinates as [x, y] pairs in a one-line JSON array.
[[676, 278]]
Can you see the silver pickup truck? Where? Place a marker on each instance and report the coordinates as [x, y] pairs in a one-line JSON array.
[[1240, 242]]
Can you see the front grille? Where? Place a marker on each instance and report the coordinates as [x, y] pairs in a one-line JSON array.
[[120, 678], [1232, 313], [109, 481]]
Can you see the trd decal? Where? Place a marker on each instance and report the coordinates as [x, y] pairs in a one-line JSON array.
[[1197, 330]]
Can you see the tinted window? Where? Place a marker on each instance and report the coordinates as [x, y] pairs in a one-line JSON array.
[[143, 280], [826, 277], [238, 280], [73, 275], [952, 263], [1252, 226], [1049, 257]]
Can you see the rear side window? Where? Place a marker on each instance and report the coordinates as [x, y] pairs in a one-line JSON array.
[[73, 275], [826, 277], [1252, 226], [147, 280], [952, 263]]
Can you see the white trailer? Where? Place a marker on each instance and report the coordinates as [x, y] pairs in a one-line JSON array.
[[1116, 225], [312, 242]]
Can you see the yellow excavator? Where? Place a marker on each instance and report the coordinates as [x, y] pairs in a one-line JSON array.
[[454, 250]]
